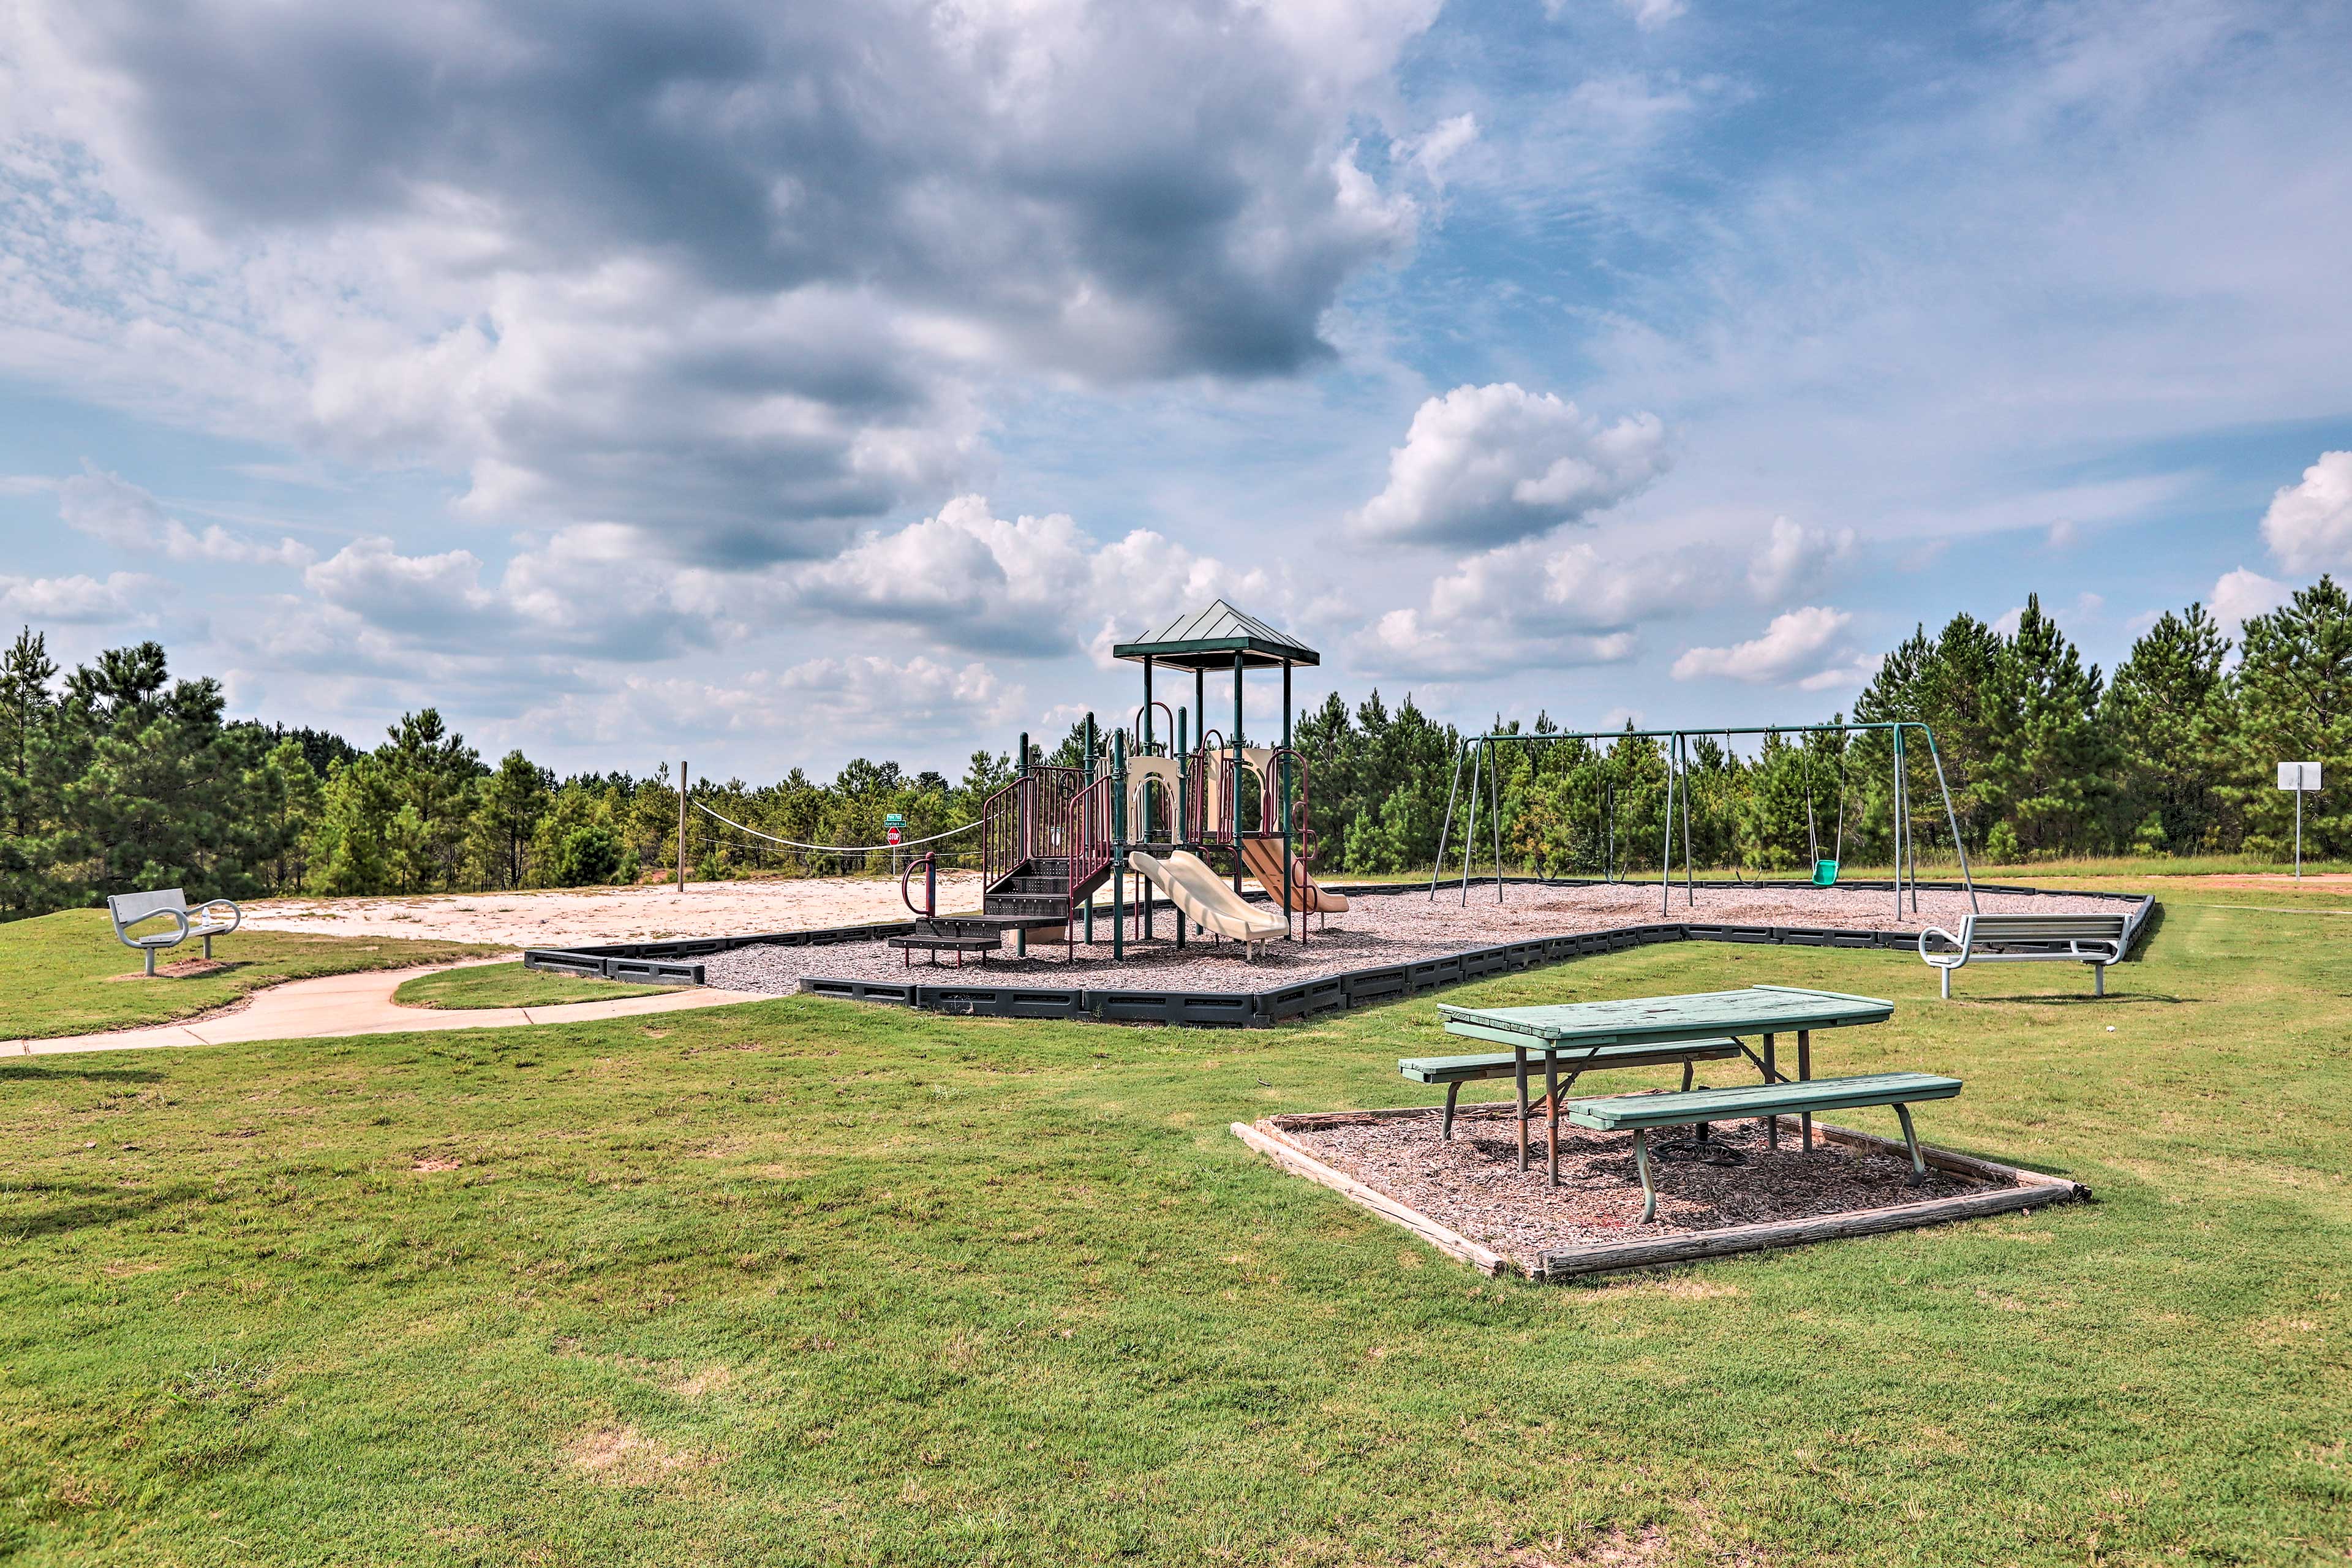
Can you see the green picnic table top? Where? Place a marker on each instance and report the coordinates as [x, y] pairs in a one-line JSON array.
[[1753, 1010]]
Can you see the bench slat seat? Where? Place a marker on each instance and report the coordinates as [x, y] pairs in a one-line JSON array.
[[2097, 939], [1640, 1112], [1621, 1112], [1573, 1061], [129, 909], [1503, 1064]]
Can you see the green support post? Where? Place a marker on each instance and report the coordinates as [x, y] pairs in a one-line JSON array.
[[1088, 762], [1237, 772], [1028, 839], [1183, 806], [1282, 777], [1117, 845]]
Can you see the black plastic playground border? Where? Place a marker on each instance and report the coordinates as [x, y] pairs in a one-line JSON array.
[[663, 961]]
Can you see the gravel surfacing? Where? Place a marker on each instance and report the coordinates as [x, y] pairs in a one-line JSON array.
[[1472, 1185], [1378, 930]]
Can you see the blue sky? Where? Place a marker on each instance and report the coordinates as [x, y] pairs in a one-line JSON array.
[[773, 387]]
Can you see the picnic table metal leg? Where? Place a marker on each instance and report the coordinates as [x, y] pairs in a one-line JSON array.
[[1911, 1142], [1551, 1102], [1771, 1071], [1642, 1163], [1519, 1063], [1451, 1091], [1805, 1075]]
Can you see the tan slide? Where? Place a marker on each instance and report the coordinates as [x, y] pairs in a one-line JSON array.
[[1262, 859], [1202, 898]]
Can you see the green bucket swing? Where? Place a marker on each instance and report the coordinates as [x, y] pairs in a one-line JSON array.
[[1824, 870]]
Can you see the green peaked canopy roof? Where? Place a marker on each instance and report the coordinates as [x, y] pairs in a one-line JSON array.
[[1208, 639]]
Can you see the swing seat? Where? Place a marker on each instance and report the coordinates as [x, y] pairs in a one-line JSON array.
[[1824, 873]]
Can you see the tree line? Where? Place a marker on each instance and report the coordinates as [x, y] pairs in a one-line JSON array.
[[115, 776]]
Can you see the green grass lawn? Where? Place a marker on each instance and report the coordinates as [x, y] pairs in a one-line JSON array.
[[810, 1282], [511, 985], [65, 975]]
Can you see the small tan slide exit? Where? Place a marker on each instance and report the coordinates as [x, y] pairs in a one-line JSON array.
[[1261, 859], [1202, 898]]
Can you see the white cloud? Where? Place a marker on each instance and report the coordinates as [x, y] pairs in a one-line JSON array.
[[967, 579], [1789, 645], [739, 272], [122, 596], [1486, 465], [1447, 140], [2309, 525], [2241, 595], [860, 701], [1794, 557], [1524, 605], [110, 508]]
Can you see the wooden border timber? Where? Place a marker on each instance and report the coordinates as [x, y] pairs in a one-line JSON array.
[[2030, 1189]]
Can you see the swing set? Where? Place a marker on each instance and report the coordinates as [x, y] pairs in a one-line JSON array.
[[1478, 753]]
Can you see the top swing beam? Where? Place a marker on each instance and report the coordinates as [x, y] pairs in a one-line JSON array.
[[1478, 753]]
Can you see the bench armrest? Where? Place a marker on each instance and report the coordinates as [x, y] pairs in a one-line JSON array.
[[122, 931], [236, 915], [1957, 958]]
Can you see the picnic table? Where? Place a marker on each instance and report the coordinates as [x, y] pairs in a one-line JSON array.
[[1572, 1033]]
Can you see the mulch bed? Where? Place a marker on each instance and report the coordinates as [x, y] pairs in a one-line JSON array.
[[1378, 930], [1472, 1186]]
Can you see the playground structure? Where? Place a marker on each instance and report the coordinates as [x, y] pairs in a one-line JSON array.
[[1155, 805], [1478, 754]]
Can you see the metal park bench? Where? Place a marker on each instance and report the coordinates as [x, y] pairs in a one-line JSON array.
[[1640, 1112], [1455, 1072], [2094, 939], [128, 910]]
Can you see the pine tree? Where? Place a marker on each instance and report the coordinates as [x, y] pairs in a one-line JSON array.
[[27, 809], [2169, 711], [2053, 764], [2294, 704]]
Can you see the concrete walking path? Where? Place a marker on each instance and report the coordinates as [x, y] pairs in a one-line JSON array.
[[338, 1005]]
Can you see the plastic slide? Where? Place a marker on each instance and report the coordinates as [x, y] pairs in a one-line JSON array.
[[1261, 859], [1202, 898]]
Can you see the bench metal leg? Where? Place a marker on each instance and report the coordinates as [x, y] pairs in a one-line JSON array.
[[1771, 1071], [1946, 970], [2098, 974], [1519, 1067], [1551, 1103], [1642, 1163], [1451, 1091], [208, 949], [151, 961], [1911, 1142], [1805, 1075]]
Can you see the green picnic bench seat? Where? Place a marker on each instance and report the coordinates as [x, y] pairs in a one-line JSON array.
[[1640, 1112], [1455, 1072]]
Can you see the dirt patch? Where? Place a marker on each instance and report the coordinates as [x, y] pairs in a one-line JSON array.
[[554, 916], [186, 969], [625, 1456], [1471, 1183], [434, 1166]]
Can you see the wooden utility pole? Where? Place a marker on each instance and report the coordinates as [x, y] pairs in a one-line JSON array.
[[681, 824]]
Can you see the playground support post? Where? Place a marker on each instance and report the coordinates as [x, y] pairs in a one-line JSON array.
[[1666, 837], [1495, 792], [681, 824], [1028, 837], [1184, 811], [1146, 735], [1087, 776], [1119, 846], [1951, 818], [1690, 896], [1446, 831], [1470, 827], [1281, 782], [1237, 774]]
